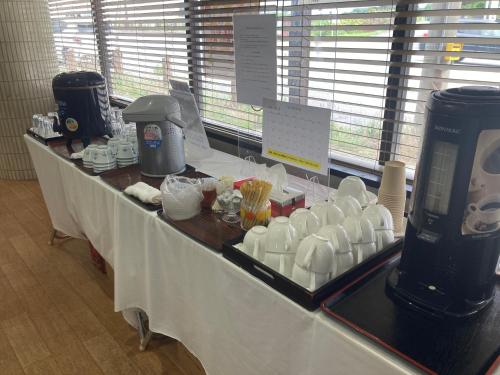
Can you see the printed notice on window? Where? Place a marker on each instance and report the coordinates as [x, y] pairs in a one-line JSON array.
[[255, 58], [296, 134]]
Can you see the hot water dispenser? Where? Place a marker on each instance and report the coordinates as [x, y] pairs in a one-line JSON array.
[[452, 239]]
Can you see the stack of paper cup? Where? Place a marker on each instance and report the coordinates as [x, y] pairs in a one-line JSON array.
[[392, 192]]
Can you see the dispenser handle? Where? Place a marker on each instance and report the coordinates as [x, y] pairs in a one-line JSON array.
[[177, 121]]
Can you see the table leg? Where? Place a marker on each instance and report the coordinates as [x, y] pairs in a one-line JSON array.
[[54, 235], [97, 259], [144, 333]]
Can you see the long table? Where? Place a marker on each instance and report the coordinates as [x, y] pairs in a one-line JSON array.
[[231, 321]]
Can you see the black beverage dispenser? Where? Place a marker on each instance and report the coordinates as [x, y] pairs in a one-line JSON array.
[[83, 106], [452, 238]]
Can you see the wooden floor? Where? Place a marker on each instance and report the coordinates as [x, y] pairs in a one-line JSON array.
[[56, 308]]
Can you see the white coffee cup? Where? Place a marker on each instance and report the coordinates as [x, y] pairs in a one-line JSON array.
[[384, 238], [316, 254], [280, 262], [485, 214], [281, 236], [362, 236], [337, 235], [309, 280], [88, 156], [255, 242], [113, 145], [475, 225], [305, 222], [381, 218], [355, 187], [349, 206], [328, 213], [125, 151], [103, 156]]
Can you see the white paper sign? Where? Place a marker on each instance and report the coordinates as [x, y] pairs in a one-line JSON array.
[[296, 134], [255, 58]]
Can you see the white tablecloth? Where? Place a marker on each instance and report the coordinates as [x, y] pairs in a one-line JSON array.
[[232, 322]]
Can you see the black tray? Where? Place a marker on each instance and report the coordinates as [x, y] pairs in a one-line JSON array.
[[41, 139], [305, 298], [442, 346], [207, 228], [60, 147]]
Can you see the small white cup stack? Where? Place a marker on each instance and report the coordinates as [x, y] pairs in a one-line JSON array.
[[392, 192]]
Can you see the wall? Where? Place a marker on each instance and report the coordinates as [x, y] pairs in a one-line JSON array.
[[27, 66]]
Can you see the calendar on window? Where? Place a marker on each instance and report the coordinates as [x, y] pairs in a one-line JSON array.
[[296, 134]]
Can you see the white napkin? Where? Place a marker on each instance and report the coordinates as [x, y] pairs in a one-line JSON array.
[[77, 155], [144, 192]]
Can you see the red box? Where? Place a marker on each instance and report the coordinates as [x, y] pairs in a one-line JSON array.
[[283, 204]]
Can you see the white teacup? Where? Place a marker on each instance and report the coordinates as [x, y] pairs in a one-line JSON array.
[[337, 235], [305, 222], [125, 151], [384, 238], [355, 187], [328, 213], [349, 206], [362, 237], [102, 155], [381, 218], [113, 145], [281, 245], [281, 263], [281, 236], [132, 138], [255, 242], [315, 253], [88, 156], [309, 280]]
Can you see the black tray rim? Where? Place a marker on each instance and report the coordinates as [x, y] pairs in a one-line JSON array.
[[338, 296], [310, 300], [41, 139]]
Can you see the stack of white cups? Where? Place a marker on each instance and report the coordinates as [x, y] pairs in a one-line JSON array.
[[125, 154], [392, 192]]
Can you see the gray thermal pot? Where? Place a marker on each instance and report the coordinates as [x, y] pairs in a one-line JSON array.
[[159, 134]]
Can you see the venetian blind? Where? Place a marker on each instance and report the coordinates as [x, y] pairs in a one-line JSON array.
[[437, 45], [373, 62], [74, 34], [330, 54], [143, 43]]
